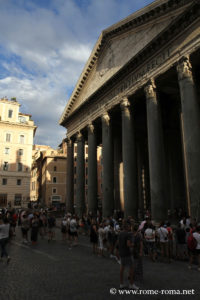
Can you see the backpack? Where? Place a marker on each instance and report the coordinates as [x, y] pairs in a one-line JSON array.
[[191, 242]]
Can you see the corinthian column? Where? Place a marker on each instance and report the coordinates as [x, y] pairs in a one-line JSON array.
[[92, 170], [70, 177], [191, 133], [156, 154], [80, 175], [108, 172], [129, 161]]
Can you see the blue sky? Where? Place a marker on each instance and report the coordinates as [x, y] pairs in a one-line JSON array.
[[44, 45]]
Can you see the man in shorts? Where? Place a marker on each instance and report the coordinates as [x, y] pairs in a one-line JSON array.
[[125, 245]]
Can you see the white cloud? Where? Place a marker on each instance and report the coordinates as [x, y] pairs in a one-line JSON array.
[[43, 51]]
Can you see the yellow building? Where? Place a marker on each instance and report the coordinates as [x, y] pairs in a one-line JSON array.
[[16, 141], [48, 176]]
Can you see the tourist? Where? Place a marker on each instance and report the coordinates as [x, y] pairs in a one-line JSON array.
[[64, 228], [51, 227], [34, 229], [163, 241], [180, 234], [101, 238], [196, 251], [25, 225], [94, 236], [125, 255], [137, 240], [150, 240], [4, 238], [74, 231], [170, 240]]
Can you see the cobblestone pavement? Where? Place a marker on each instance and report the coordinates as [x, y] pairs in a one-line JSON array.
[[54, 272]]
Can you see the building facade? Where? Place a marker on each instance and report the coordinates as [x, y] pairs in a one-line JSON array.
[[16, 140], [48, 180], [138, 98]]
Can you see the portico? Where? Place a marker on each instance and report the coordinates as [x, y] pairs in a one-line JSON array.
[[142, 108]]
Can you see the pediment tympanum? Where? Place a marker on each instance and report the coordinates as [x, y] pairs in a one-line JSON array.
[[116, 54]]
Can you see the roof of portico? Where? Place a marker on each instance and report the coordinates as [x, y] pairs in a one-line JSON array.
[[149, 13]]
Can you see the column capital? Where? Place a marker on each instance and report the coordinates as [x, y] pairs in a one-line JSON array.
[[150, 89], [184, 68], [79, 137], [124, 104], [69, 141], [90, 128], [105, 118]]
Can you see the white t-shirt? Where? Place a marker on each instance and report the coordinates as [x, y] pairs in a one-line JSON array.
[[149, 235], [73, 225], [101, 233], [163, 234], [196, 235]]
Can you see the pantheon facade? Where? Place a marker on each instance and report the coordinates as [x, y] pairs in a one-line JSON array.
[[138, 98]]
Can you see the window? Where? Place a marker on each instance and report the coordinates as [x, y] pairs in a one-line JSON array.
[[19, 181], [21, 139], [3, 200], [7, 150], [19, 168], [54, 180], [18, 200], [86, 181], [8, 137], [54, 191], [5, 166], [10, 113], [21, 152], [74, 170], [55, 168], [4, 181], [86, 171]]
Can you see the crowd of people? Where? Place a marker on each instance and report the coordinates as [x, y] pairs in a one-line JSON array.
[[124, 240]]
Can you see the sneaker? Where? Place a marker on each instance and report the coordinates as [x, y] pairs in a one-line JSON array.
[[133, 287], [122, 286], [8, 259]]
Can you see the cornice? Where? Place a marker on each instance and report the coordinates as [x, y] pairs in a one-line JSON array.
[[18, 124], [151, 12]]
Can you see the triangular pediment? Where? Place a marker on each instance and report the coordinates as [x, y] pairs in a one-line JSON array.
[[117, 46]]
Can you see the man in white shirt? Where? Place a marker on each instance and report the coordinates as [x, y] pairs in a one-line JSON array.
[[163, 237]]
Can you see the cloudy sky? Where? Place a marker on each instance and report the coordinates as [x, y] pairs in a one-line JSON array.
[[44, 45]]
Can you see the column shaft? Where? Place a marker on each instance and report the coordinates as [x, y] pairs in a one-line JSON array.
[[70, 177], [108, 173], [80, 176], [92, 171], [129, 162], [191, 134], [156, 154]]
